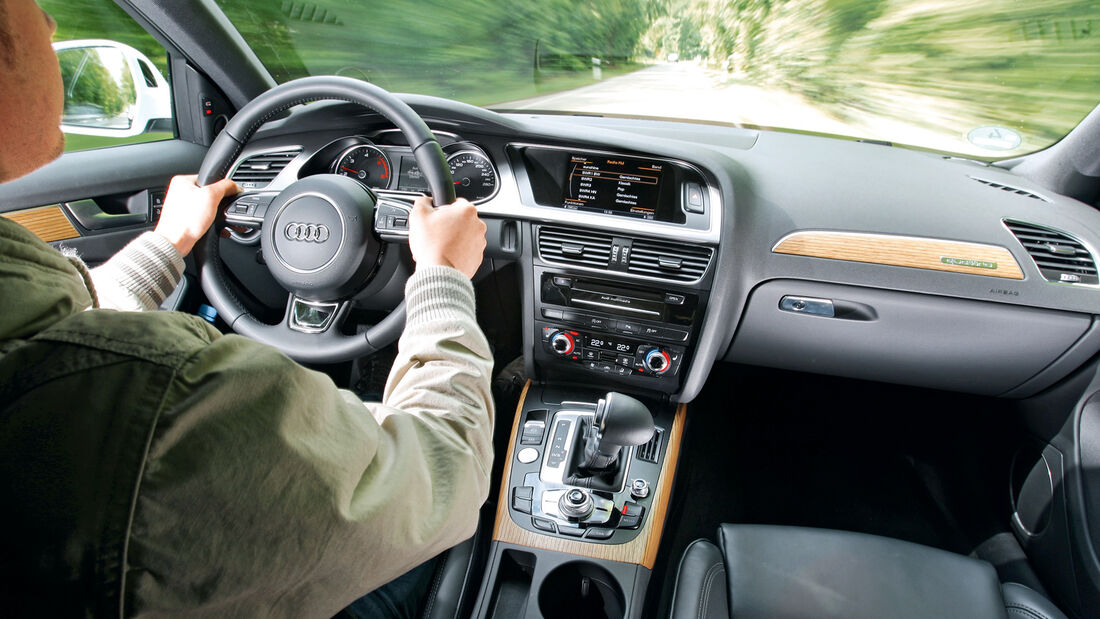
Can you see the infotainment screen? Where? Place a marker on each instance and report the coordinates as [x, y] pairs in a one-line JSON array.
[[613, 185]]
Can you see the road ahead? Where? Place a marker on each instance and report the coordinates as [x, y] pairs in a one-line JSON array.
[[687, 90]]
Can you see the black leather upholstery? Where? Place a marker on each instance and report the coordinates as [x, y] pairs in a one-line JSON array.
[[701, 583], [452, 593], [1025, 603], [780, 572]]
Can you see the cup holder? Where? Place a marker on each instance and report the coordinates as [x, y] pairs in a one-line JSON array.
[[581, 590]]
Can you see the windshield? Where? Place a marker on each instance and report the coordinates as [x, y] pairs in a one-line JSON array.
[[982, 78]]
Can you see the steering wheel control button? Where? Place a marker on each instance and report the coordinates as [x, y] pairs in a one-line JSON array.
[[527, 455], [807, 305], [576, 504], [544, 524], [639, 488], [249, 209], [392, 220]]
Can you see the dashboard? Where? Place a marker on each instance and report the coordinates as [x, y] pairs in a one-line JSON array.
[[648, 251]]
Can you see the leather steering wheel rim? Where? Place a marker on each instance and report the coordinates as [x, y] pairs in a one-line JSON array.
[[329, 346]]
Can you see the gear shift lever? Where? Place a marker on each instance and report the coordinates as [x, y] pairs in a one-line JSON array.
[[620, 421]]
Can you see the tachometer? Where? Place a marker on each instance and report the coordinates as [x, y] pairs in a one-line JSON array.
[[366, 164], [474, 176]]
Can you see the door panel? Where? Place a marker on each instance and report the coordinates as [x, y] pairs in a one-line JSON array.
[[96, 201]]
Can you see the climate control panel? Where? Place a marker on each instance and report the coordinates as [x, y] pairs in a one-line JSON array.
[[609, 354]]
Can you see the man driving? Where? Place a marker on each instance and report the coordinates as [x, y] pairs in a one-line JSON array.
[[152, 466]]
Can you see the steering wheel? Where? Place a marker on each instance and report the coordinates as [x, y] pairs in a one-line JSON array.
[[321, 236]]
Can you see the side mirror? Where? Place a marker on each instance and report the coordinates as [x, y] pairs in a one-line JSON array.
[[111, 90]]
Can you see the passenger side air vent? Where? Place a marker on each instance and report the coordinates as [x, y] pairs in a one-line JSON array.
[[671, 261], [259, 170], [1059, 257], [1010, 189], [579, 247], [651, 450]]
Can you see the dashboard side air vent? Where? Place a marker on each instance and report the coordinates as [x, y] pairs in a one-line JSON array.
[[577, 247], [1058, 256], [259, 170], [670, 261], [650, 451], [1010, 189]]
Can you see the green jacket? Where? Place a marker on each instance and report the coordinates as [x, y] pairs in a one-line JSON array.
[[152, 466]]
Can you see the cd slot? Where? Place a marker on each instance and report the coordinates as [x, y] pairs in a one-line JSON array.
[[667, 308], [618, 304]]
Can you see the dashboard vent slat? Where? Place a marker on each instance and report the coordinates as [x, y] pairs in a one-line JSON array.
[[1058, 256], [259, 170], [672, 261], [579, 247], [1011, 189]]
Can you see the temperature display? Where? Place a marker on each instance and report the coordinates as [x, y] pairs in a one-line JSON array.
[[604, 343]]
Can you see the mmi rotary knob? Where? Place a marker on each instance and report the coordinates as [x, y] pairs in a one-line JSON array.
[[576, 504]]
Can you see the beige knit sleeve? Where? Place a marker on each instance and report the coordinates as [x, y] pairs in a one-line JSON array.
[[140, 276]]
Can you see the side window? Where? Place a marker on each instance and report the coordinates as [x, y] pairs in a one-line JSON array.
[[115, 76]]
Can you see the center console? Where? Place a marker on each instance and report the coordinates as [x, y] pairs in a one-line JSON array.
[[586, 485], [621, 264]]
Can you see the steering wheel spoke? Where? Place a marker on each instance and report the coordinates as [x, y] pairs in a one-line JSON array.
[[305, 316]]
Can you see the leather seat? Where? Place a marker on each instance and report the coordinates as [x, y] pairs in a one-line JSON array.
[[787, 572]]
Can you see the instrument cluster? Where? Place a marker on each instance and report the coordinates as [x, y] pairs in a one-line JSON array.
[[392, 167]]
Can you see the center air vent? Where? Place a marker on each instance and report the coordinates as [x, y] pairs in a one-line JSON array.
[[259, 170], [673, 261], [1059, 257], [579, 247]]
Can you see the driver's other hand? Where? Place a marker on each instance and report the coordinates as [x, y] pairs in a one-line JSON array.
[[189, 210], [449, 236]]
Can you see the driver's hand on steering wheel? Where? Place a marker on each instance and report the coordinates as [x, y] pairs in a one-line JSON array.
[[449, 236], [189, 210]]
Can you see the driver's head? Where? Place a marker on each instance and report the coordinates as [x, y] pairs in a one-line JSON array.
[[31, 97]]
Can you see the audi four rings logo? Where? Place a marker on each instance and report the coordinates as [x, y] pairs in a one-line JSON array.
[[310, 233]]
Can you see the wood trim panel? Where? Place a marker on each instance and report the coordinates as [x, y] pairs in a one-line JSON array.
[[641, 550], [903, 251], [46, 222]]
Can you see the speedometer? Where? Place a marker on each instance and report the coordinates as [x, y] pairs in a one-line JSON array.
[[367, 164], [474, 176]]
